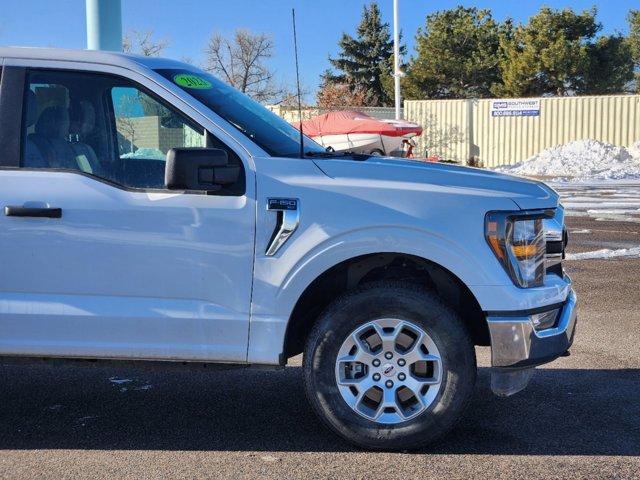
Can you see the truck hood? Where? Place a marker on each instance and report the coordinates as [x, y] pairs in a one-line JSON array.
[[526, 193]]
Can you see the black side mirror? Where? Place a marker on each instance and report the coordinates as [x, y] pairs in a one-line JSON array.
[[204, 169]]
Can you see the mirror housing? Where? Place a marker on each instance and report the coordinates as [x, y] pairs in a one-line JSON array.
[[202, 169]]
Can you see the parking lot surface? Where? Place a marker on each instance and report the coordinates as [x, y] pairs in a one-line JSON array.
[[580, 416]]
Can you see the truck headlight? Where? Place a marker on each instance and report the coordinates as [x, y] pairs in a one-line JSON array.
[[517, 240]]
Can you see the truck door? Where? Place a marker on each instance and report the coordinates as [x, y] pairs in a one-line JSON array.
[[97, 258]]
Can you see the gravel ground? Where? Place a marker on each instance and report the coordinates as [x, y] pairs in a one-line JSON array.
[[579, 418]]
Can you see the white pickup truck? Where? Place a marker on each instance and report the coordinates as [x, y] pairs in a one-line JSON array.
[[150, 212]]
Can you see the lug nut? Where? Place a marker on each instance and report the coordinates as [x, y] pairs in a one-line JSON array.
[[376, 362], [389, 383], [402, 362], [376, 377], [401, 376], [388, 355]]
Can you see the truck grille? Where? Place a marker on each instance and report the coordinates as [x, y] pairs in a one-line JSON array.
[[556, 242]]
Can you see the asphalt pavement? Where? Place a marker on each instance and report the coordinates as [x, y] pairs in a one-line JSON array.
[[579, 417]]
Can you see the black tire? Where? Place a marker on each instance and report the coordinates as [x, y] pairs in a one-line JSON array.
[[390, 299]]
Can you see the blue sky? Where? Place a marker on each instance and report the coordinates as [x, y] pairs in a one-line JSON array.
[[187, 24]]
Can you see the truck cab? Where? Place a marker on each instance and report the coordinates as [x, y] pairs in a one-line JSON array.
[[152, 213]]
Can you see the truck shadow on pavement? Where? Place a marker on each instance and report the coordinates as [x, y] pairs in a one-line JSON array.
[[562, 412]]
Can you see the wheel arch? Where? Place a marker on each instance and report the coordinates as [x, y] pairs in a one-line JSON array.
[[350, 273]]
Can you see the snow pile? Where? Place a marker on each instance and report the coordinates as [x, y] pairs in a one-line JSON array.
[[634, 150], [582, 160]]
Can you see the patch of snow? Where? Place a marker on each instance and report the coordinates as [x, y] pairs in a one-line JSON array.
[[605, 253], [582, 160], [608, 212], [119, 381], [610, 200], [616, 218], [133, 384], [594, 204]]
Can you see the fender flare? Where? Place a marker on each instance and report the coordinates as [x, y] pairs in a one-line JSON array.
[[278, 290]]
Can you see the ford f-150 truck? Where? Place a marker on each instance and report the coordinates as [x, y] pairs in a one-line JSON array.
[[152, 213]]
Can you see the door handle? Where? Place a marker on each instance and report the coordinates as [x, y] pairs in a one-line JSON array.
[[13, 211]]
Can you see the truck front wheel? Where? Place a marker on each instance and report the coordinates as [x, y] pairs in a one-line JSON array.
[[388, 366]]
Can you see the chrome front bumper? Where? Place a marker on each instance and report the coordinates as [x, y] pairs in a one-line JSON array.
[[515, 344]]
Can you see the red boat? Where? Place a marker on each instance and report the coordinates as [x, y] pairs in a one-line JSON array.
[[359, 132]]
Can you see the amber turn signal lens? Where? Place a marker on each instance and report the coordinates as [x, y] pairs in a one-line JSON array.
[[525, 251]]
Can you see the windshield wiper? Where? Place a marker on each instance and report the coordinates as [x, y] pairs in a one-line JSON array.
[[333, 154]]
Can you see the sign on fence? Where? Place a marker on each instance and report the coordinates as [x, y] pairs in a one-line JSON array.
[[525, 107], [513, 138]]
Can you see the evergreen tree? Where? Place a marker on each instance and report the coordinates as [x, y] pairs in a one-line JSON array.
[[634, 43], [363, 61], [610, 66], [457, 55], [557, 53]]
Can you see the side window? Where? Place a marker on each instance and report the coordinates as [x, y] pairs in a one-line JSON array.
[[104, 126], [146, 129], [47, 128]]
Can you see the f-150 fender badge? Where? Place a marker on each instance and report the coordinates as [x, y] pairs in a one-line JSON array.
[[282, 204], [288, 211]]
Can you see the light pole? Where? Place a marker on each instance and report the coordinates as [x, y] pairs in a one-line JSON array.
[[104, 25], [396, 60]]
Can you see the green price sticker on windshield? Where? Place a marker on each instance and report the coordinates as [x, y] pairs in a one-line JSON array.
[[192, 81]]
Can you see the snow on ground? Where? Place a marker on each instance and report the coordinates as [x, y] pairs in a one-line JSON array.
[[119, 381], [605, 253], [124, 381], [582, 160], [594, 179], [604, 200]]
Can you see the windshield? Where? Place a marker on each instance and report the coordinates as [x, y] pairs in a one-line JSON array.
[[269, 131]]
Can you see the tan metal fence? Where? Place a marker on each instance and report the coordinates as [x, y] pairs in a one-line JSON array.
[[290, 114], [463, 129]]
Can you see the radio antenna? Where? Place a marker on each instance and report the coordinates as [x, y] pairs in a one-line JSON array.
[[295, 49]]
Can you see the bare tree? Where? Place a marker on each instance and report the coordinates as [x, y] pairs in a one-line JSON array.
[[288, 96], [143, 43], [242, 62], [334, 95]]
